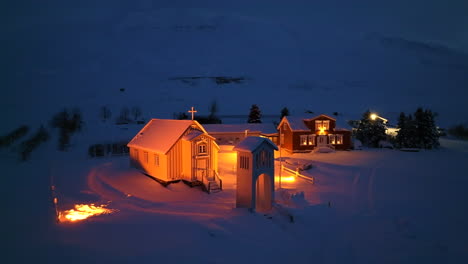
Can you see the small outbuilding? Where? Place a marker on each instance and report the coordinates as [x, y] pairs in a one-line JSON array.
[[171, 150], [255, 173]]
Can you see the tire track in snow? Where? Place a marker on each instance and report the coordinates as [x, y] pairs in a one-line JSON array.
[[363, 190], [354, 194], [370, 190], [102, 186]]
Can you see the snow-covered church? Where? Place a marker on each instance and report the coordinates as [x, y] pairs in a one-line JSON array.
[[171, 150]]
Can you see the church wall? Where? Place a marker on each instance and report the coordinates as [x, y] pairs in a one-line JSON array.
[[148, 162], [187, 163], [175, 162]]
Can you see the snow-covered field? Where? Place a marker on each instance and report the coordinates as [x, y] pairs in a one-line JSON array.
[[369, 206]]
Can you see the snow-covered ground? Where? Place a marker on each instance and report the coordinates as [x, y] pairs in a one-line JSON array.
[[369, 206]]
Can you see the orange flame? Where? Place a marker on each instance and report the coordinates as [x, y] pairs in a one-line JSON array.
[[83, 211]]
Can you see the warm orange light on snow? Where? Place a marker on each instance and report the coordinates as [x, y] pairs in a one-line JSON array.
[[83, 211], [286, 179], [230, 157]]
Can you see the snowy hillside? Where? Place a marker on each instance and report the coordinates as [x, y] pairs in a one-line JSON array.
[[367, 206], [314, 57]]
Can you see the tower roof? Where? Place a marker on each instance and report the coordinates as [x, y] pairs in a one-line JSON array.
[[252, 143]]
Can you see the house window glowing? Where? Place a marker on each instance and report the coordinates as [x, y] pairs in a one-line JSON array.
[[145, 156], [322, 125], [336, 139], [202, 149], [281, 139], [339, 139], [307, 140], [318, 124], [156, 159], [312, 139]]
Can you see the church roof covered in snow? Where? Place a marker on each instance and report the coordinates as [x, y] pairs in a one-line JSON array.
[[252, 143], [193, 134], [263, 128], [160, 135]]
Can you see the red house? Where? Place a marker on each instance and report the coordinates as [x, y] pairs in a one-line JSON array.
[[304, 134]]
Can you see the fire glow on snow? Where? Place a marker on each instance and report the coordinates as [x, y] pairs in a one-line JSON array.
[[84, 211], [285, 179]]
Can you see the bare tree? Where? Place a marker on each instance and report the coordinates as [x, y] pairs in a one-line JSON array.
[[136, 112], [105, 113], [123, 118]]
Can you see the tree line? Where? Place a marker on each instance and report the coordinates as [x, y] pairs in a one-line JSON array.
[[416, 130]]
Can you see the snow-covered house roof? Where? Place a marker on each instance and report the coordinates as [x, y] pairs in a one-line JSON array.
[[322, 115], [160, 135], [252, 143], [296, 122], [263, 128]]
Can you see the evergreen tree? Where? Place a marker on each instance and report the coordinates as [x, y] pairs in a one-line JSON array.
[[434, 131], [212, 118], [412, 140], [369, 131], [181, 116], [427, 135], [420, 127], [420, 132], [407, 133], [255, 114], [284, 112], [123, 118], [402, 136]]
